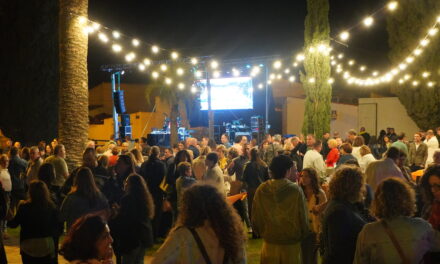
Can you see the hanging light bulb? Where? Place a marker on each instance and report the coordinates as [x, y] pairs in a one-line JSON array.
[[424, 42], [312, 80], [194, 61], [235, 72], [260, 86], [433, 31], [141, 67], [368, 21], [392, 5], [155, 49], [163, 67], [291, 78], [180, 71], [103, 37], [300, 57], [168, 81], [116, 34], [198, 74], [147, 62], [155, 75], [344, 35], [417, 52], [216, 74], [174, 55], [135, 42], [130, 56], [116, 48], [214, 64], [277, 64], [181, 86], [331, 81], [425, 74]]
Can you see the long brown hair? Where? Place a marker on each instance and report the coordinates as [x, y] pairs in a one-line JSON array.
[[137, 187], [256, 158], [203, 202], [313, 176], [39, 195], [85, 186]]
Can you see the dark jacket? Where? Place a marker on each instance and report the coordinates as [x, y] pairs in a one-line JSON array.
[[341, 225], [153, 171], [17, 169], [132, 226], [344, 158], [238, 167], [195, 151], [36, 222], [254, 174]]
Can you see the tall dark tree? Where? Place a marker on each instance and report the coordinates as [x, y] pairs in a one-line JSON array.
[[317, 69], [406, 27], [73, 90]]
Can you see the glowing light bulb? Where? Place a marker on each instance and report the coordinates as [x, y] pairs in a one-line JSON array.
[[424, 42], [415, 83], [174, 55], [277, 64], [362, 68], [155, 75], [96, 26], [295, 64], [272, 76], [103, 37], [147, 62], [130, 56], [340, 56], [82, 20], [287, 71], [155, 49], [344, 35], [255, 71], [433, 31], [300, 57], [193, 89], [430, 84], [368, 21], [333, 63], [312, 80], [163, 67], [417, 52], [194, 61], [409, 59], [141, 67], [407, 77], [214, 64], [181, 86], [401, 81], [375, 73], [88, 30], [403, 66], [180, 71], [291, 78], [168, 81], [198, 74], [116, 48], [116, 34], [351, 62], [260, 86], [331, 81], [425, 74], [235, 72], [392, 5], [279, 76], [135, 42], [216, 74]]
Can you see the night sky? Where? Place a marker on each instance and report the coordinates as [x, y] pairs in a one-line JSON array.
[[232, 29]]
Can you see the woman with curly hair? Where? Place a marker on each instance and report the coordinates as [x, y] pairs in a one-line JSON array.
[[397, 237], [430, 187], [208, 230], [342, 220], [132, 229], [315, 197]]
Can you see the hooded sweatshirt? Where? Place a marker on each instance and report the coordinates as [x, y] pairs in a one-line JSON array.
[[279, 212]]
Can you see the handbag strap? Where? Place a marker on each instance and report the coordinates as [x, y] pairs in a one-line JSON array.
[[200, 245], [395, 242]]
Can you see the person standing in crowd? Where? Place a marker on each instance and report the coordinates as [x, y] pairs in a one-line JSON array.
[[34, 165], [102, 168], [275, 202], [351, 135], [38, 220], [363, 133], [84, 198], [316, 198], [418, 153], [208, 231], [153, 171], [273, 149], [5, 177], [377, 171], [114, 186], [237, 144], [214, 175], [192, 145], [225, 141], [433, 145], [60, 165], [430, 187], [342, 220], [325, 148], [222, 159], [88, 241], [46, 174], [17, 170], [400, 143], [138, 158], [254, 174], [366, 158], [391, 134], [25, 154], [199, 167], [357, 144], [184, 181], [113, 158], [411, 238], [168, 156], [333, 153], [295, 154], [131, 229], [313, 159]]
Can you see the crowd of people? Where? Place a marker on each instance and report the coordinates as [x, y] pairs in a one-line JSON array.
[[348, 198]]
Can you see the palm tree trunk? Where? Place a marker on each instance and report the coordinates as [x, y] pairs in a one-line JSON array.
[[173, 126], [73, 90]]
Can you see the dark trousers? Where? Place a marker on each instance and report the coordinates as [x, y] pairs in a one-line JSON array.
[[32, 260], [309, 249], [156, 223]]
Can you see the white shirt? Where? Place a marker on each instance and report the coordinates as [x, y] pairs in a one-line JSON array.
[[365, 161], [356, 153], [432, 144], [5, 179], [313, 159]]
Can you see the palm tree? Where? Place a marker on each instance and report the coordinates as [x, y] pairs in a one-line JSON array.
[[73, 116]]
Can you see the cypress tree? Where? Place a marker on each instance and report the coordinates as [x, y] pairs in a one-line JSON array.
[[406, 26], [317, 69]]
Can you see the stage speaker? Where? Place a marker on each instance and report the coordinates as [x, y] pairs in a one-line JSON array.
[[125, 120], [118, 100], [124, 131]]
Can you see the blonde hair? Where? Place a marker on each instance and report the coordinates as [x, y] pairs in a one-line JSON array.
[[332, 143]]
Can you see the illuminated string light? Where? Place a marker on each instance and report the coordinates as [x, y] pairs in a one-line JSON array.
[[116, 48], [362, 68], [181, 86], [174, 55], [425, 74], [198, 74], [255, 71], [351, 62], [82, 20], [163, 67], [300, 57], [130, 56], [155, 49], [116, 34], [279, 76], [344, 35], [141, 67], [96, 26], [147, 62], [424, 42], [103, 37], [180, 71], [417, 52], [194, 61], [214, 64], [260, 86], [312, 80], [135, 42], [291, 78], [331, 81], [430, 84], [287, 71], [368, 21], [168, 81], [415, 83], [235, 72], [392, 5], [216, 74], [433, 31], [193, 89], [277, 64], [155, 75]]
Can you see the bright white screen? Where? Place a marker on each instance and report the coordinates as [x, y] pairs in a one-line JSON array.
[[228, 93]]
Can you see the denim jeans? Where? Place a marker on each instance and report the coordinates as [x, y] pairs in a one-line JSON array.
[[135, 256]]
